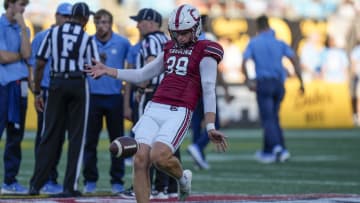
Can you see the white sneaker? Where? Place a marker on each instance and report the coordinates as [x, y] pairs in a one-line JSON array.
[[284, 156], [185, 188], [196, 155], [173, 195], [158, 195], [13, 189], [265, 158]]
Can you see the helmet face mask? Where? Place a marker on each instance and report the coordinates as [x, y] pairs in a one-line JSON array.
[[185, 18]]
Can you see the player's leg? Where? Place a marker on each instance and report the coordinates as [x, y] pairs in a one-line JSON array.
[[265, 101], [278, 97], [172, 189], [141, 179], [162, 157], [165, 186], [145, 131], [176, 121], [15, 134], [279, 150]]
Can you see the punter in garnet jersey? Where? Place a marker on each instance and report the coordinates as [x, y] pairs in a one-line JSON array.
[[190, 72]]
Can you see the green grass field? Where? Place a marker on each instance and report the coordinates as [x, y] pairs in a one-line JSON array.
[[323, 161]]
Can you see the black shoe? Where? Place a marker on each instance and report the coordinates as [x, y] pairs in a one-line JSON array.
[[66, 194], [33, 191], [128, 194]]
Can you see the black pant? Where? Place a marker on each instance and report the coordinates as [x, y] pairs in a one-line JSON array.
[[66, 108], [110, 106], [40, 116]]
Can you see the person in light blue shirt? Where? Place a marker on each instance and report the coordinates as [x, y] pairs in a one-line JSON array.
[[14, 51], [106, 100], [62, 14], [267, 52]]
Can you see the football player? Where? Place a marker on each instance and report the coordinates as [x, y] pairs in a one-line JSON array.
[[190, 67]]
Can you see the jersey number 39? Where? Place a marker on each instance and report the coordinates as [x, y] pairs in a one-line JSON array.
[[177, 65]]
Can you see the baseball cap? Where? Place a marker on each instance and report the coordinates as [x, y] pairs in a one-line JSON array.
[[148, 14], [81, 9], [64, 9]]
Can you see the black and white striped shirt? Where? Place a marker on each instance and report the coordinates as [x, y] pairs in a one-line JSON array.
[[69, 47], [152, 44]]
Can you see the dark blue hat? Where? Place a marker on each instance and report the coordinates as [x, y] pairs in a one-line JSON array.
[[148, 14]]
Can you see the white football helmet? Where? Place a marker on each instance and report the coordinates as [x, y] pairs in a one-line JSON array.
[[185, 17]]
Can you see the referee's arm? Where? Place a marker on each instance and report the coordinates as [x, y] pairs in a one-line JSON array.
[[92, 51], [38, 75]]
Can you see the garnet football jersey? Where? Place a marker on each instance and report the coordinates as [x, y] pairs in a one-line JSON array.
[[181, 85]]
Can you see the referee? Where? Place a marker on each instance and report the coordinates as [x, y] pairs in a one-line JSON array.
[[69, 48], [149, 23]]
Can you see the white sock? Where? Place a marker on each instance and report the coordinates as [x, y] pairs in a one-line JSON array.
[[182, 180]]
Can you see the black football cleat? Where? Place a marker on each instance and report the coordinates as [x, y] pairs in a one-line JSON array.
[[33, 191]]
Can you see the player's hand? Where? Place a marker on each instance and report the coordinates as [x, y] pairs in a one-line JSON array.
[[20, 20], [39, 103], [96, 70], [219, 139]]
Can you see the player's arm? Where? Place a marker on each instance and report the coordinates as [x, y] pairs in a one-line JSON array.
[[25, 48], [297, 68], [146, 83], [9, 57], [250, 83], [150, 70], [208, 72], [291, 55]]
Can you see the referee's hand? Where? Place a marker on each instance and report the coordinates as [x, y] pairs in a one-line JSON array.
[[39, 103]]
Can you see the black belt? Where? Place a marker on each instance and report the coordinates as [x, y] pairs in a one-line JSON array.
[[68, 75]]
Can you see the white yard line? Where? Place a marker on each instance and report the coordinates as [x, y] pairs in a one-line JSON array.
[[201, 177]]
